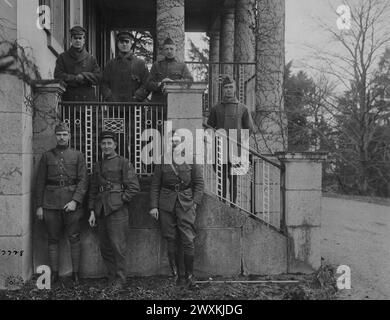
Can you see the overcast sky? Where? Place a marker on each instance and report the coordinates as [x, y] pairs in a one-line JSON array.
[[301, 26]]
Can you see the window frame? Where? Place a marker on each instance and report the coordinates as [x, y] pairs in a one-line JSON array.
[[57, 46]]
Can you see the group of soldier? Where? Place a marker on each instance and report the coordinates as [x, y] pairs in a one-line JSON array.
[[176, 190], [125, 78]]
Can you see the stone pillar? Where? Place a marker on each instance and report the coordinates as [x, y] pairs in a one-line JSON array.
[[214, 67], [76, 12], [185, 105], [16, 114], [15, 183], [170, 23], [47, 96], [244, 50], [303, 185], [226, 51], [270, 118]]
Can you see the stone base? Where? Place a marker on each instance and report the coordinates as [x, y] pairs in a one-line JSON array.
[[227, 244], [304, 253]]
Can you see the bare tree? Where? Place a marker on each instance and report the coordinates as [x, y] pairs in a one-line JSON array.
[[352, 58]]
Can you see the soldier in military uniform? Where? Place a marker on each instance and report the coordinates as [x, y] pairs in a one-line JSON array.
[[113, 186], [60, 189], [125, 77], [78, 69], [176, 192], [165, 70], [230, 114]]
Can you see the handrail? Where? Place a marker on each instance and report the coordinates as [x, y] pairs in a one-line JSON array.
[[251, 151], [219, 63], [71, 103]]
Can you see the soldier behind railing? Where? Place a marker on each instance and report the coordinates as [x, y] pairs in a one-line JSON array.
[[78, 69], [125, 77], [166, 70]]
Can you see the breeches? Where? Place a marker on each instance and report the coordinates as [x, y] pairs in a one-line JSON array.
[[58, 220], [179, 225]]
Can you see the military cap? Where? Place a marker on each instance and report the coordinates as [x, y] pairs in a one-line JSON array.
[[61, 127], [227, 80], [123, 35], [168, 41], [78, 31], [108, 135]]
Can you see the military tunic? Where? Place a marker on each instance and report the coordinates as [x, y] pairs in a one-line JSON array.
[[61, 164], [166, 68], [125, 79], [175, 197], [113, 186], [71, 63], [230, 114], [61, 178]]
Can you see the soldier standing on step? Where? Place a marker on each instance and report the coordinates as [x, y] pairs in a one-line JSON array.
[[175, 193], [113, 186], [230, 114], [60, 189], [78, 69]]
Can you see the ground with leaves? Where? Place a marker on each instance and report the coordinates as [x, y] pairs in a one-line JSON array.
[[319, 286]]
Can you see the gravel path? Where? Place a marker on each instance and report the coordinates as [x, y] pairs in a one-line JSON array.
[[357, 234]]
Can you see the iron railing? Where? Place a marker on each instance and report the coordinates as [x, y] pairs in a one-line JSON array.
[[259, 190], [87, 119], [244, 73]]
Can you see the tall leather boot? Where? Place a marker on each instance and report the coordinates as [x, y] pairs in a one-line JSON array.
[[173, 265], [75, 250], [53, 258], [54, 277], [76, 278], [189, 272]]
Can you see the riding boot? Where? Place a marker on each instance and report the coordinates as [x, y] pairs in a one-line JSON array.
[[189, 271], [76, 278]]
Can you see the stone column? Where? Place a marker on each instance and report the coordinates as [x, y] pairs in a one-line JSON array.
[[226, 51], [244, 50], [185, 105], [270, 118], [16, 114], [15, 183], [76, 13], [170, 23], [303, 185], [214, 67]]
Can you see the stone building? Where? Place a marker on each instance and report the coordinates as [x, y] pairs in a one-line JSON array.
[[275, 228]]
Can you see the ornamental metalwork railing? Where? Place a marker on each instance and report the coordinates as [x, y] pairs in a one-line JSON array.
[[128, 120], [257, 190], [244, 73]]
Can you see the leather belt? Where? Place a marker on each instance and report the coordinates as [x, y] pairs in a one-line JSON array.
[[177, 187], [111, 187], [61, 183]]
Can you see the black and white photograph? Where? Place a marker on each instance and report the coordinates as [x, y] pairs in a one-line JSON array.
[[195, 155]]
